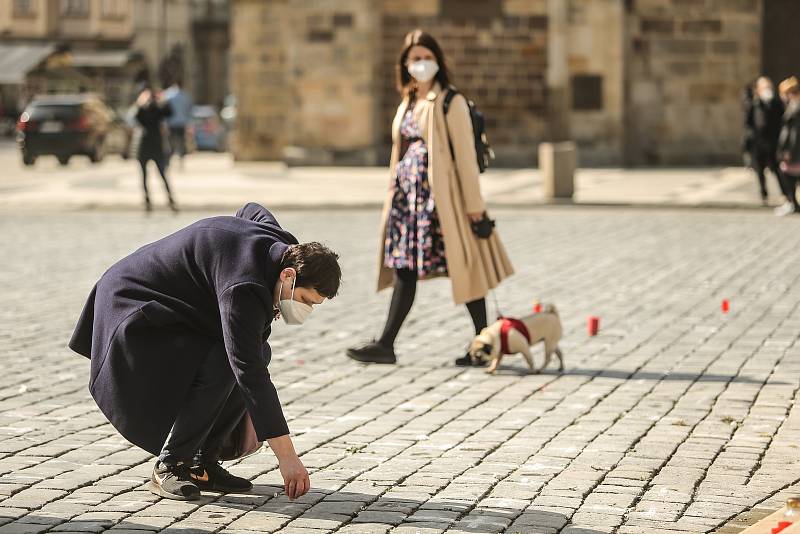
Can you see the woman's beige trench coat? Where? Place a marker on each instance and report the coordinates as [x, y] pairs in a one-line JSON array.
[[474, 265]]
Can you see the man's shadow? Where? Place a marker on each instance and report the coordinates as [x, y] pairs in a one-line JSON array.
[[266, 509]]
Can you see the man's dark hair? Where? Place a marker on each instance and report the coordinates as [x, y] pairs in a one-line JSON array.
[[317, 267]]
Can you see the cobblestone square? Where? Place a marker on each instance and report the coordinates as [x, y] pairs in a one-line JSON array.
[[675, 418]]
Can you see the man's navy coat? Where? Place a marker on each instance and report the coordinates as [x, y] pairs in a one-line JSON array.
[[205, 291]]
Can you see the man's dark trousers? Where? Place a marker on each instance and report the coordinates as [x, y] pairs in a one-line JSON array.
[[763, 158], [211, 411]]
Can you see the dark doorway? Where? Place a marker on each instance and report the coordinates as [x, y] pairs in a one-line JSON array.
[[780, 51]]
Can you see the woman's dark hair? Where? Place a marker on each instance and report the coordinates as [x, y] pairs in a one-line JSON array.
[[420, 38], [316, 265]]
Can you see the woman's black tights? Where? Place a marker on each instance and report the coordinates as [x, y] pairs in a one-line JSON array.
[[161, 165], [405, 289]]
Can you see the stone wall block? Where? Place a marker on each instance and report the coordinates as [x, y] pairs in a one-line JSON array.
[[657, 25], [701, 26]]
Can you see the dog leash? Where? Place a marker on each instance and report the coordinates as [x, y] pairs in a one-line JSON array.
[[496, 304]]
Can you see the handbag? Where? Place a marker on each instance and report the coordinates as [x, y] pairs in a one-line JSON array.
[[790, 168], [242, 441]]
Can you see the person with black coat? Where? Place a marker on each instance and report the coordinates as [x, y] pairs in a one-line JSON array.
[[177, 334], [151, 113], [763, 118], [789, 141]]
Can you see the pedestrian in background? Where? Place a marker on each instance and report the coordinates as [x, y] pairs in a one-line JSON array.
[[150, 114], [789, 141], [434, 196], [181, 104], [764, 116]]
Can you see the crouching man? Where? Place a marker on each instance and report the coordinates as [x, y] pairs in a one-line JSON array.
[[177, 337]]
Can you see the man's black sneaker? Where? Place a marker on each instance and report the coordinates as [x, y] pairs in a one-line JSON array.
[[467, 361], [211, 476], [372, 352], [173, 482]]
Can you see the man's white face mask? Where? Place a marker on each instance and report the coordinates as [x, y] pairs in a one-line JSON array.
[[292, 311], [423, 70]]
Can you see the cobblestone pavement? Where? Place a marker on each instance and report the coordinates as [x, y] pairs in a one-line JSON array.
[[676, 418]]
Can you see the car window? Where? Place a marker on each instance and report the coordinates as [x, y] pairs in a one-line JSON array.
[[49, 112]]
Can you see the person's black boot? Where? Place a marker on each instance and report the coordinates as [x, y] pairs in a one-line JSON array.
[[173, 482], [211, 476], [372, 352]]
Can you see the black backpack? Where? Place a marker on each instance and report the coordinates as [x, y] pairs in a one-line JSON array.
[[482, 147]]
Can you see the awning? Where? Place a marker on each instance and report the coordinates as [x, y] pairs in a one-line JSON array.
[[17, 60], [101, 59]]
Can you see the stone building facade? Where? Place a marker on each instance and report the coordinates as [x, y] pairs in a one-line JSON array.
[[633, 82], [109, 46]]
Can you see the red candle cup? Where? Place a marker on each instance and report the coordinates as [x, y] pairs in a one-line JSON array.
[[726, 306], [537, 308], [593, 325]]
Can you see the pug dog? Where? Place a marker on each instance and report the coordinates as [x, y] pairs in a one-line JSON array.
[[517, 336]]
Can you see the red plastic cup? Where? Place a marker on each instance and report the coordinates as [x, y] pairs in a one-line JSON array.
[[537, 308], [726, 306], [593, 325]]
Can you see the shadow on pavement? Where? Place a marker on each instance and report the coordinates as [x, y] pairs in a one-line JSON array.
[[266, 509], [639, 375]]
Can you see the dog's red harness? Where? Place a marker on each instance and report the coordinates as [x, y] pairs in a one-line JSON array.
[[507, 326]]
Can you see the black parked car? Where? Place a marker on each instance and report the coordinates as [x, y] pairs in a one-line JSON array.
[[64, 126]]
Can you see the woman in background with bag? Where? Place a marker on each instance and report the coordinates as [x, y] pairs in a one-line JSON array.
[[434, 209], [789, 140]]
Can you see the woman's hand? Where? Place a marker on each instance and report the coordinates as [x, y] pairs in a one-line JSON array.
[[475, 217], [295, 477]]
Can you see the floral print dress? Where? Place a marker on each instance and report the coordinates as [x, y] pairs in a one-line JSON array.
[[413, 234]]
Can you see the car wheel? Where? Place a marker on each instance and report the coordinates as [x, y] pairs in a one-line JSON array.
[[28, 160], [63, 160]]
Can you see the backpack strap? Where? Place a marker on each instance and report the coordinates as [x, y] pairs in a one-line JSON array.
[[448, 97], [451, 93]]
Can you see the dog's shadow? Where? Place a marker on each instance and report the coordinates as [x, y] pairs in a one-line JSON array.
[[630, 375]]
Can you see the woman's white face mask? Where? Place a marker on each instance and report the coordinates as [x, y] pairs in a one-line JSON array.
[[292, 311], [423, 70]]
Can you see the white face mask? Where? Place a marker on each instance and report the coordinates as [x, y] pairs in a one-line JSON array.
[[423, 70], [767, 95], [292, 311]]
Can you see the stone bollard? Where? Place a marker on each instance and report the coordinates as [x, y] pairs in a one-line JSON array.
[[557, 162]]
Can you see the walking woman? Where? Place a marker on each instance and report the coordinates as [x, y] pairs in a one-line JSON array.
[[763, 117], [789, 140], [152, 111], [434, 197]]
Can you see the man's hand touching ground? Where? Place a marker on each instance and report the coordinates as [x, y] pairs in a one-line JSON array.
[[295, 477]]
